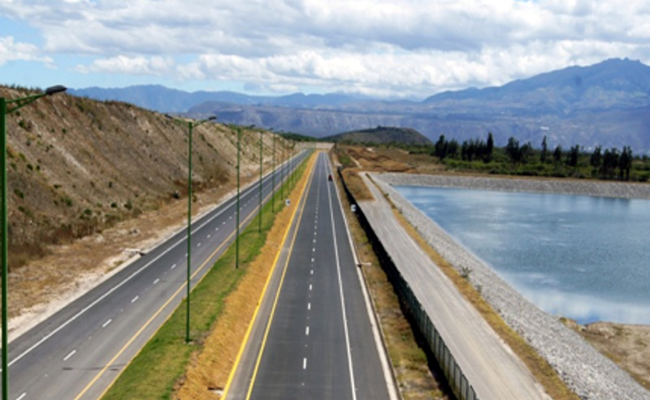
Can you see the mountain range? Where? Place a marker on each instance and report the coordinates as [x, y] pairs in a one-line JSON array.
[[605, 104]]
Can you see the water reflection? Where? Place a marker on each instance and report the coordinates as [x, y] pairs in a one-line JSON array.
[[577, 256]]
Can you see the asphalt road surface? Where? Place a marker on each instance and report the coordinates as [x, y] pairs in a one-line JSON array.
[[313, 338], [79, 351], [490, 366]]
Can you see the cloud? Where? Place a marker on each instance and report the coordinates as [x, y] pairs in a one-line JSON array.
[[130, 65], [11, 51], [375, 46]]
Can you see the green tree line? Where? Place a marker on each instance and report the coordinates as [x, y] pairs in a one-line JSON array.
[[517, 158]]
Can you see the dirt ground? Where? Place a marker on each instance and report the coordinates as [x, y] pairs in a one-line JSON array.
[[627, 345], [38, 290]]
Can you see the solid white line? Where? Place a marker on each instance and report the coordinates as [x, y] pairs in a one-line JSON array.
[[345, 322], [22, 396], [381, 348], [307, 331], [107, 323], [156, 281], [173, 266], [66, 358], [135, 299], [304, 363]]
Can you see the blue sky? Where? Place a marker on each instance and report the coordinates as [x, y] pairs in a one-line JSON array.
[[388, 48]]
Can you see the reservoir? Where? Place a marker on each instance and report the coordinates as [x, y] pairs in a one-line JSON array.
[[586, 258]]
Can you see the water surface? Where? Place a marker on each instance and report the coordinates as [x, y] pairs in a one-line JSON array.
[[577, 256]]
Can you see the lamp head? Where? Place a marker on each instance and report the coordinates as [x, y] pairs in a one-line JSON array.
[[55, 89]]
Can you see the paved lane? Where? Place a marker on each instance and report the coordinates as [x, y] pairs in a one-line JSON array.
[[320, 343], [78, 352]]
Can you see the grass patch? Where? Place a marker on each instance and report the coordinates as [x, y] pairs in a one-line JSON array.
[[539, 367], [159, 369]]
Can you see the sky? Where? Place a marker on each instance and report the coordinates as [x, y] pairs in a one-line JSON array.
[[383, 48]]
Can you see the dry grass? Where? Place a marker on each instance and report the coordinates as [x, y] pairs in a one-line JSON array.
[[415, 379], [626, 345], [210, 369], [540, 368]]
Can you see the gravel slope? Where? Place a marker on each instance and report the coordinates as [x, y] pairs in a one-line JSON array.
[[590, 374]]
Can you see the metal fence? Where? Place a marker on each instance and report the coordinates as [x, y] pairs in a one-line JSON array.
[[436, 345]]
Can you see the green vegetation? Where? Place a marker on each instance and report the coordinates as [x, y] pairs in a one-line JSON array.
[[382, 136], [156, 369], [518, 159], [298, 137]]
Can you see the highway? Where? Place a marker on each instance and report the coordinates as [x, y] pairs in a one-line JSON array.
[[78, 352], [491, 367], [313, 338]]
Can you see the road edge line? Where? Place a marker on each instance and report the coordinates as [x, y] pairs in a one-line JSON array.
[[259, 303]]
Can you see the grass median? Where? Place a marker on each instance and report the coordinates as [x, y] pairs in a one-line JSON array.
[[159, 369]]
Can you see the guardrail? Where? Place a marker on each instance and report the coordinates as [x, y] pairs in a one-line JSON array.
[[458, 382]]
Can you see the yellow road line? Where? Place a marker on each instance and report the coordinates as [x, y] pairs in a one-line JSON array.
[[275, 303], [139, 332], [259, 303]]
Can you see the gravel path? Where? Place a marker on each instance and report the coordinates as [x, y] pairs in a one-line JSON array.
[[590, 374]]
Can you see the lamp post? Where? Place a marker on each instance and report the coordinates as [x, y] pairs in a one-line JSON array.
[[260, 202], [190, 126], [4, 110], [273, 176], [237, 227]]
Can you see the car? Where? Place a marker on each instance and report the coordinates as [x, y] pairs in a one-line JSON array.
[[329, 178]]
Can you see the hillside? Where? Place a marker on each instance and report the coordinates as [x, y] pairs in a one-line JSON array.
[[77, 166], [381, 135]]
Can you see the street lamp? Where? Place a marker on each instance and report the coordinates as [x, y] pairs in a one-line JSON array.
[[260, 202], [4, 110], [190, 125]]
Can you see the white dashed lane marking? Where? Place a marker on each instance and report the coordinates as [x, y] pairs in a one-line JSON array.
[[173, 266], [135, 299], [308, 306], [72, 353], [307, 331], [107, 323], [22, 396], [156, 281], [304, 363]]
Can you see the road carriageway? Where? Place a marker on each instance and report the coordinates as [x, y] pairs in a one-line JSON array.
[[78, 352]]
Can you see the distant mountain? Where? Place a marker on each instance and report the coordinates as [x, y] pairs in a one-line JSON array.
[[162, 99], [605, 104], [381, 135], [610, 84]]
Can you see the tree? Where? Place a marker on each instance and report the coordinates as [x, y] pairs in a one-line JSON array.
[[572, 156], [625, 162], [557, 154], [610, 162], [512, 149], [489, 148], [596, 157], [440, 147], [544, 154]]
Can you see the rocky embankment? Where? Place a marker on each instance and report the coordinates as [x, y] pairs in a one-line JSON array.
[[586, 371]]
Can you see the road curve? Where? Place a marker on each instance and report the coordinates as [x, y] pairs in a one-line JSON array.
[[78, 352]]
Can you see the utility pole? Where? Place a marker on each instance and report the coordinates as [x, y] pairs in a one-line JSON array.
[[260, 205], [273, 177], [238, 129]]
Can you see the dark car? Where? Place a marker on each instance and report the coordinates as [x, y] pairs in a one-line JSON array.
[[329, 178]]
